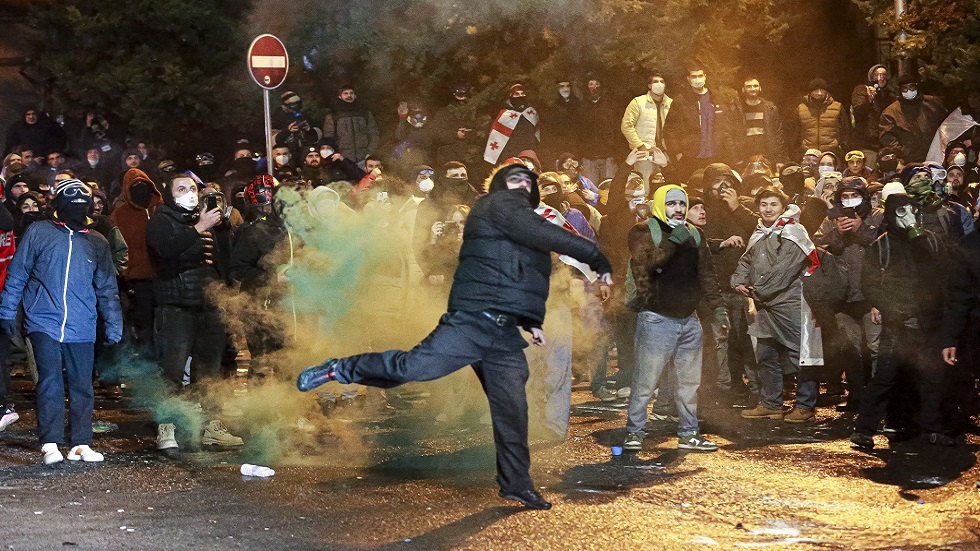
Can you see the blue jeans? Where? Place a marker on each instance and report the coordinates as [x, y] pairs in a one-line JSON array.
[[552, 379], [772, 356], [77, 360], [660, 341]]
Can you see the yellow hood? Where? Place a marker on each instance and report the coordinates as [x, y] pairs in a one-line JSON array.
[[658, 206]]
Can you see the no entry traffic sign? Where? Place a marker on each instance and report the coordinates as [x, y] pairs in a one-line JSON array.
[[268, 61]]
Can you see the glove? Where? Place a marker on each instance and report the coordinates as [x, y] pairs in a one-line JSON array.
[[10, 327], [721, 316], [680, 234]]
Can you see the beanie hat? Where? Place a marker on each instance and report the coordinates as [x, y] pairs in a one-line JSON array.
[[908, 78], [72, 191], [892, 188], [288, 97], [817, 84]]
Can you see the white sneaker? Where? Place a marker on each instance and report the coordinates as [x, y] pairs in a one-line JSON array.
[[215, 434], [623, 392], [85, 453], [165, 436], [51, 454]]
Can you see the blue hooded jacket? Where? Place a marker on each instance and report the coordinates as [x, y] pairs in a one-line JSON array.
[[65, 279]]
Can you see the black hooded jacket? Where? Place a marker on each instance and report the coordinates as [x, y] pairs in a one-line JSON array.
[[182, 258], [904, 278], [724, 223], [505, 260]]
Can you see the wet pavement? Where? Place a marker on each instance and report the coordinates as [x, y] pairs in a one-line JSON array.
[[382, 479]]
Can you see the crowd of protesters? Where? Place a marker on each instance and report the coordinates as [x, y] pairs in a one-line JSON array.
[[758, 257]]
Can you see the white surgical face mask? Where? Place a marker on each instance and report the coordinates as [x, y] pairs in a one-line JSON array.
[[910, 94], [852, 202], [426, 185], [959, 159], [565, 91], [824, 169], [282, 159], [187, 201], [658, 88], [697, 83], [673, 222], [326, 152]]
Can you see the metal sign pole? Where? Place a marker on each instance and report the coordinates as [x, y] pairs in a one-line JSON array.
[[268, 132]]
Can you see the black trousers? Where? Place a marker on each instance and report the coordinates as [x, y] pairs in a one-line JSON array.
[[198, 333], [141, 313], [909, 364], [77, 360], [496, 353]]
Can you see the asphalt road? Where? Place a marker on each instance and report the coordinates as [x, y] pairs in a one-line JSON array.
[[364, 479]]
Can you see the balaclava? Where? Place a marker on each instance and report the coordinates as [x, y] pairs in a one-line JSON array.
[[72, 202]]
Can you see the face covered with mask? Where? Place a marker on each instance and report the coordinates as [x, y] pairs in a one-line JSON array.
[[183, 190], [793, 179], [920, 187], [141, 193], [552, 193], [518, 98], [670, 205], [900, 216], [72, 202]]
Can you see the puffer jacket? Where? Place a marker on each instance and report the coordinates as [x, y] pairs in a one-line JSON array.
[[505, 260], [65, 280], [354, 128], [182, 258], [820, 124]]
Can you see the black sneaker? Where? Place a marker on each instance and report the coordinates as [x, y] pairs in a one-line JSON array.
[[528, 498], [312, 377], [863, 441]]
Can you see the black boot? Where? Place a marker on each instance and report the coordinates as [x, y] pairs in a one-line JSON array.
[[312, 377]]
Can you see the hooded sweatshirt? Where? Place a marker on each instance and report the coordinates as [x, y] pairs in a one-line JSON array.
[[131, 220], [674, 275]]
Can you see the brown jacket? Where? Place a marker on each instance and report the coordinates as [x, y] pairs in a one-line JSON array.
[[131, 220]]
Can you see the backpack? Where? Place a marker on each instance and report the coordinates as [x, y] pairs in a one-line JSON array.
[[657, 235], [829, 282]]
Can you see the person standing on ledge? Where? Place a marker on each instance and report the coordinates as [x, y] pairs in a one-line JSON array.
[[501, 285]]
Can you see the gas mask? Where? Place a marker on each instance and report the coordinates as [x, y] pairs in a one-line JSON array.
[[905, 217]]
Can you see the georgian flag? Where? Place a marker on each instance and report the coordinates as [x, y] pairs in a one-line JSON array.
[[555, 217], [503, 127]]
